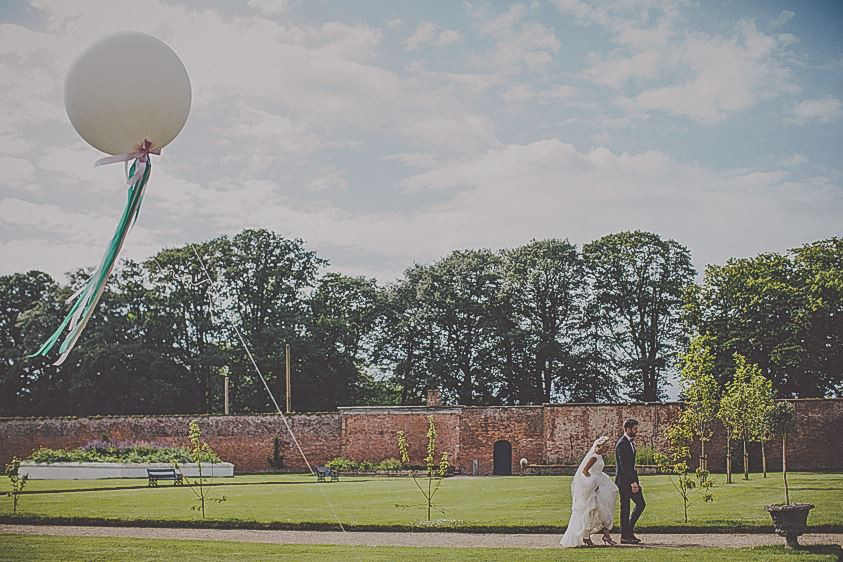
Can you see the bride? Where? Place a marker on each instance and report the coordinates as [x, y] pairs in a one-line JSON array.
[[593, 499]]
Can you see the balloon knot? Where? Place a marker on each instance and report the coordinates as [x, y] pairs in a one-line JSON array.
[[141, 154], [144, 150]]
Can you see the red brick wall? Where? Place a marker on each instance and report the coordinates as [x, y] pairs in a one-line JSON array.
[[482, 426], [371, 433], [542, 434], [569, 430], [247, 441], [816, 444]]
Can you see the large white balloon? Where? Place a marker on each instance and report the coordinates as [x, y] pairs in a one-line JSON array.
[[126, 88]]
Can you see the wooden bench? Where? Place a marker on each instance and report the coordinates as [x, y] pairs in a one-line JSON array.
[[323, 471], [156, 474]]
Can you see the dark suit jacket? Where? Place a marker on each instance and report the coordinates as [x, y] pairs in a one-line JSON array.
[[625, 457]]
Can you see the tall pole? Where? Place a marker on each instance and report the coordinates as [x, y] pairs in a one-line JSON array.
[[226, 394], [287, 364]]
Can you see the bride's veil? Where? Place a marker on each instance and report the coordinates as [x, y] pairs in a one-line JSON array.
[[591, 452]]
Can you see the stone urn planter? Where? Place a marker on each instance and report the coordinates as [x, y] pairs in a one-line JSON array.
[[790, 520]]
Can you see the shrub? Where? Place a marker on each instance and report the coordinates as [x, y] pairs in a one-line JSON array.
[[646, 455], [342, 465], [390, 464], [366, 466], [643, 455], [106, 451]]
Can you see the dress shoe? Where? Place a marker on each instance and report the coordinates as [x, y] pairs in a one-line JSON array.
[[630, 540]]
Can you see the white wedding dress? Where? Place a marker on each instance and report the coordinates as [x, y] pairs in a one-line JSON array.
[[593, 502]]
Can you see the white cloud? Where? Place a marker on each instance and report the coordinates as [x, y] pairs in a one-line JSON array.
[[423, 34], [448, 37], [16, 171], [615, 72], [270, 7], [520, 93], [327, 178], [795, 159], [428, 33], [820, 110], [57, 239], [549, 188], [415, 159], [519, 43], [727, 75], [782, 19], [669, 67], [546, 188]]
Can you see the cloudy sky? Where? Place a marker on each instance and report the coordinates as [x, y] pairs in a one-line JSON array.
[[384, 132]]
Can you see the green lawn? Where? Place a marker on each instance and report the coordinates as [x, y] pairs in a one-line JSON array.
[[19, 547], [515, 503]]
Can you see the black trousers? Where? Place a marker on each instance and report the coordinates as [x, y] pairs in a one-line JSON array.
[[628, 522]]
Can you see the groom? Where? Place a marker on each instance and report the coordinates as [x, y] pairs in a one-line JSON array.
[[627, 481]]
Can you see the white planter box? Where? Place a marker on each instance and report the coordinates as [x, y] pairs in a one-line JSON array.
[[94, 470]]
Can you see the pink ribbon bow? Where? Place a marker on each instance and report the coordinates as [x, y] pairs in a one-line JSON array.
[[141, 154]]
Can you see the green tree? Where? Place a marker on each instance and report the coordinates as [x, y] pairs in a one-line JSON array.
[[781, 420], [200, 453], [442, 328], [637, 280], [819, 267], [434, 472], [16, 482], [780, 311], [22, 292], [125, 364], [184, 315], [265, 283], [343, 315], [739, 408], [700, 393], [544, 280], [686, 482], [459, 295], [400, 341], [764, 403]]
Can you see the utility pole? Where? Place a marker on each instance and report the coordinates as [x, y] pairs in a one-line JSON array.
[[287, 364], [226, 393]]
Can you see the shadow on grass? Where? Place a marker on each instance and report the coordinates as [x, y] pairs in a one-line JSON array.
[[167, 487]]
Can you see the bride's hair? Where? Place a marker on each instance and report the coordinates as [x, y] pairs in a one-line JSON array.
[[600, 441]]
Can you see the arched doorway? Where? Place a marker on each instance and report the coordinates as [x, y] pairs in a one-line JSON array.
[[503, 458]]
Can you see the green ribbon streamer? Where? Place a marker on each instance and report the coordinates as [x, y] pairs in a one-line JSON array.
[[88, 297]]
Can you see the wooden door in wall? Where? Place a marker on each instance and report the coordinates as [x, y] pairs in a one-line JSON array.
[[503, 458]]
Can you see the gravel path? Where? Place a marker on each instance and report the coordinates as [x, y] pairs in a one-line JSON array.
[[451, 540]]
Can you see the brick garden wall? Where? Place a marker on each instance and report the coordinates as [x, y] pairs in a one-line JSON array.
[[817, 443], [247, 441], [543, 434], [522, 426], [570, 429], [370, 433]]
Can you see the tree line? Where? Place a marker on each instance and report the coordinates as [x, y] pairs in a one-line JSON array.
[[543, 322]]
